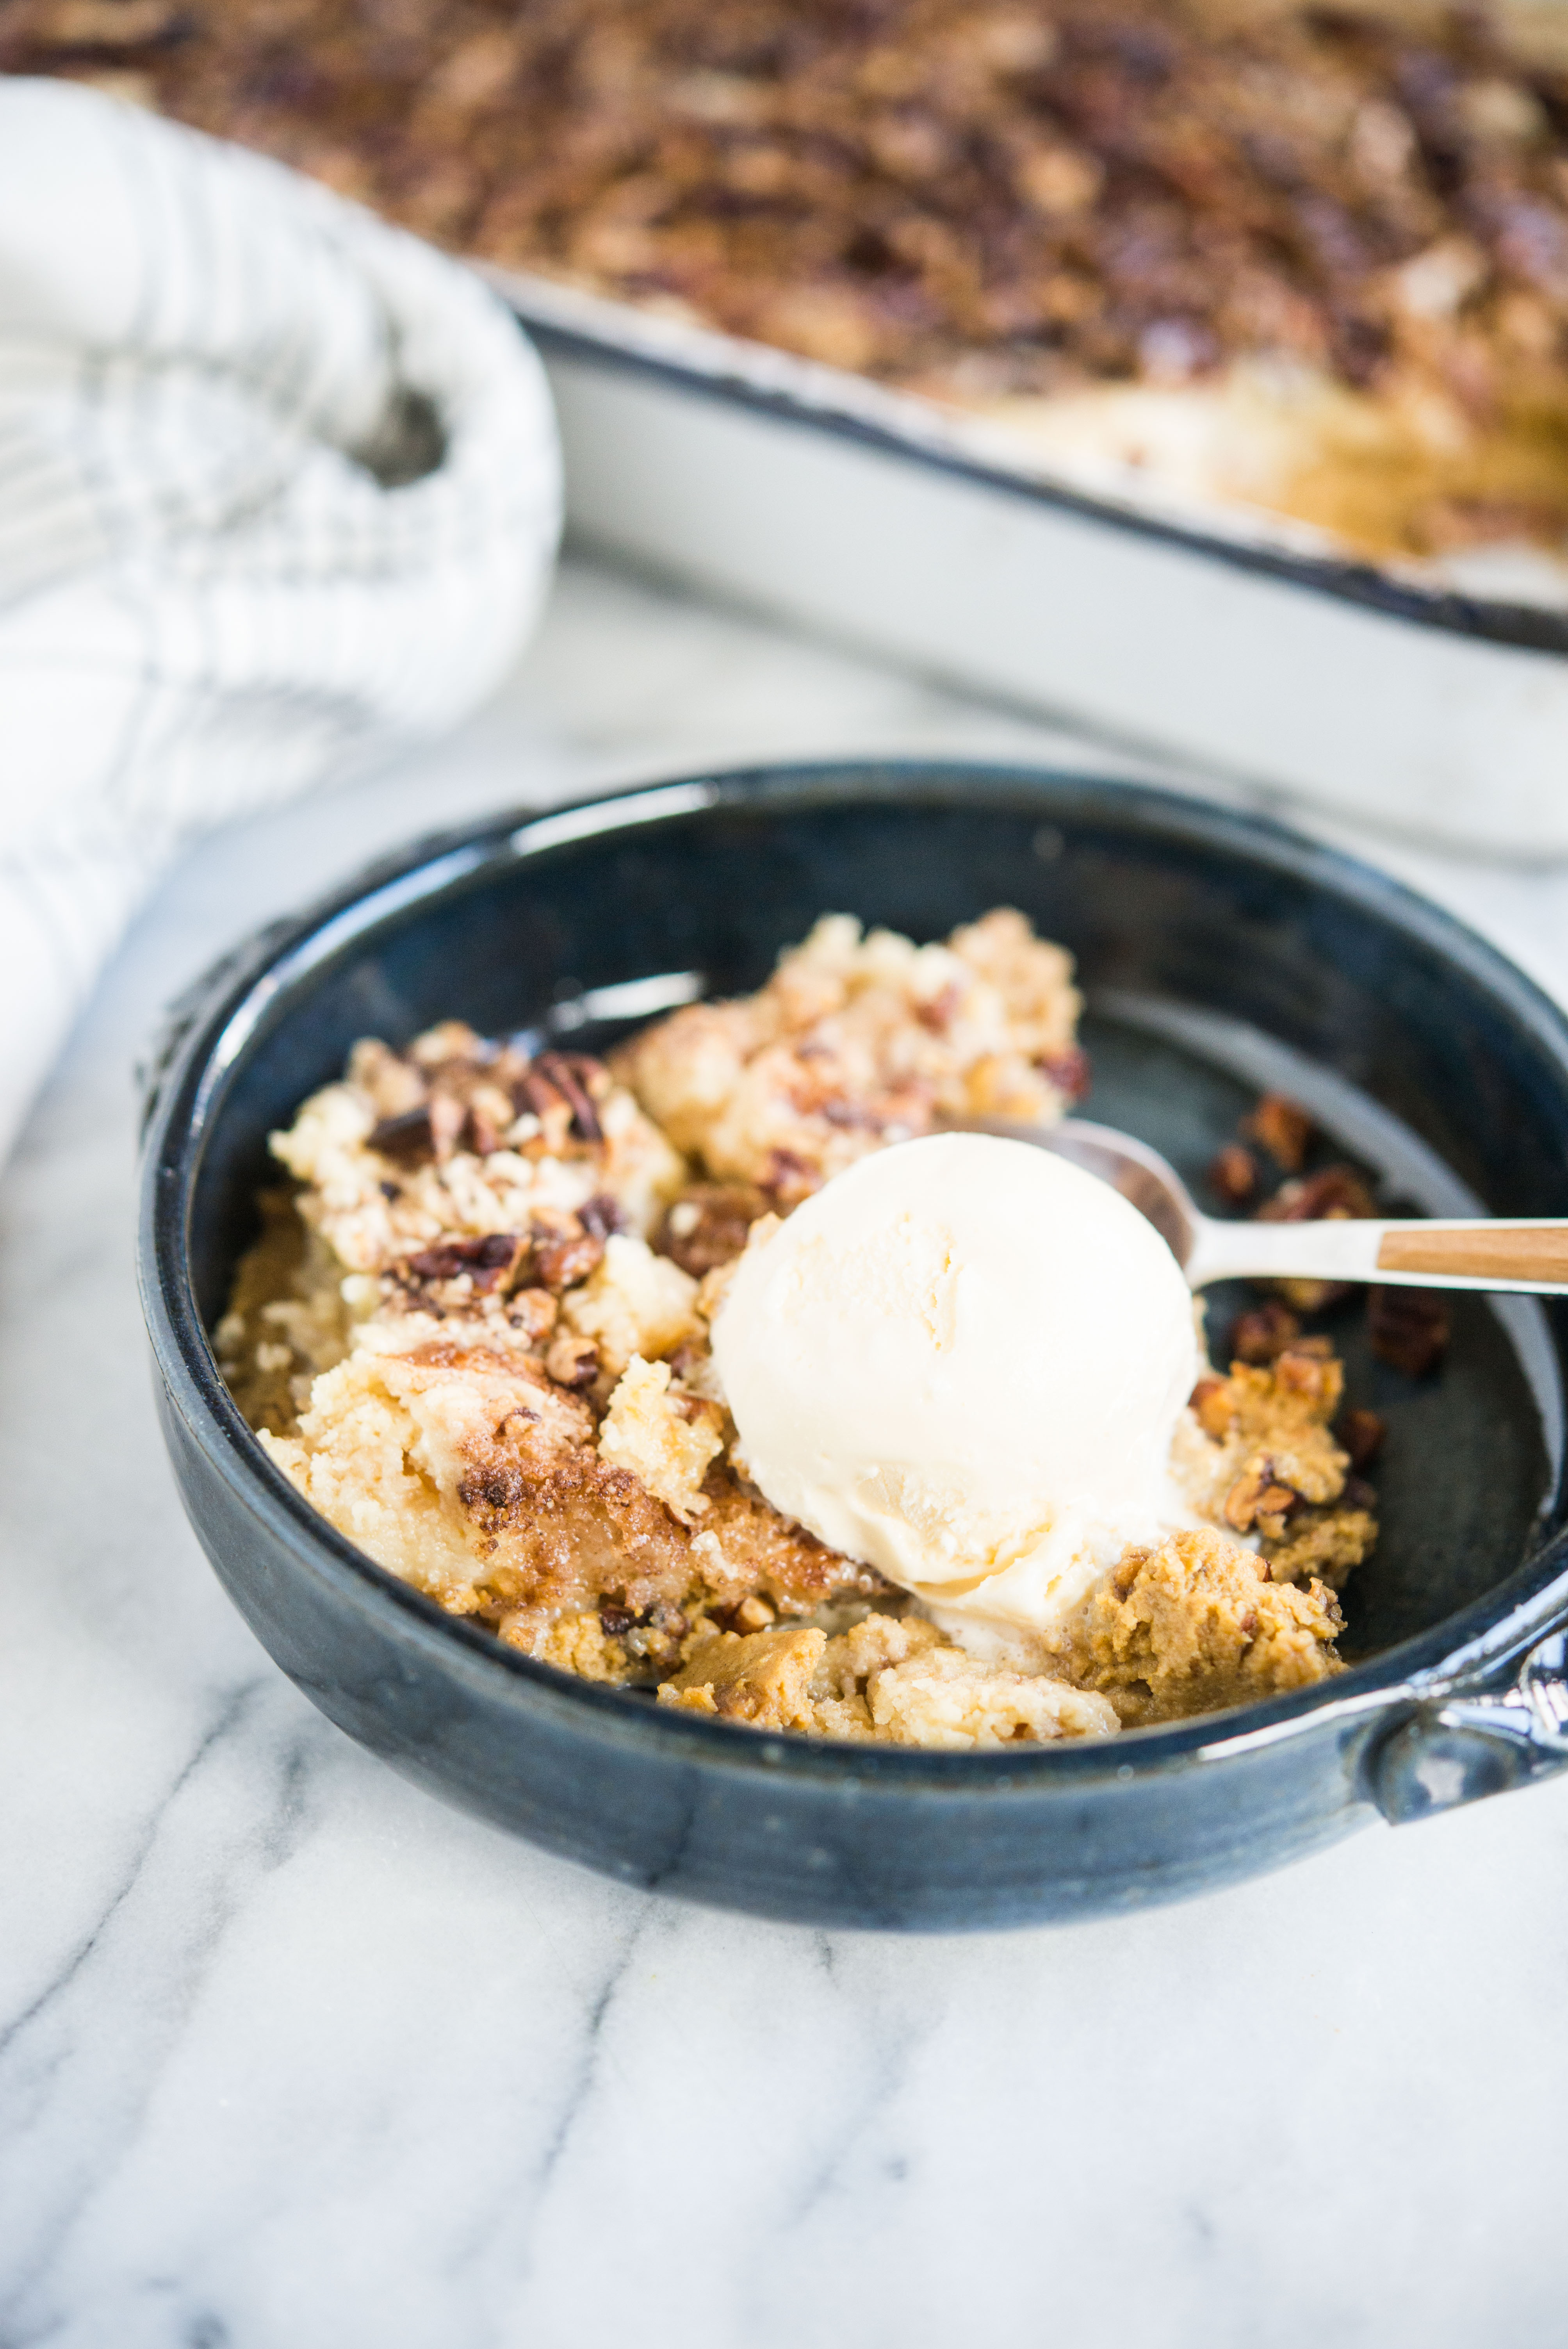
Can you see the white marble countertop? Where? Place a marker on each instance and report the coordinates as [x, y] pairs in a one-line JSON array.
[[291, 2055]]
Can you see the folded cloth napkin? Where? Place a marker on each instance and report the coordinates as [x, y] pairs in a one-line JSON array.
[[279, 486]]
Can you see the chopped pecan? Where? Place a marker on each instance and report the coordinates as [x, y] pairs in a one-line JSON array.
[[1311, 1369], [1408, 1328], [1283, 1128], [571, 1074], [481, 1130], [850, 1116], [1360, 1434], [1126, 1572], [657, 1633], [572, 1361], [530, 1091], [1263, 1335], [935, 1015], [488, 1259], [534, 1312], [1069, 1071], [1211, 1400], [1233, 1175], [498, 1491], [1327, 1598], [407, 1140], [707, 1225], [1258, 1498], [449, 1115], [560, 1259], [1332, 1193], [602, 1215], [791, 1177]]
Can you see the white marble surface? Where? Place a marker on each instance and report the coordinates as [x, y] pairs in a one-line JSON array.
[[290, 2056]]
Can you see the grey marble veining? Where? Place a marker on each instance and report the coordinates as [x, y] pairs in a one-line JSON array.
[[290, 2056]]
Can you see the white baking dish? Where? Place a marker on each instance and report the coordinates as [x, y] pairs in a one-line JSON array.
[[826, 498]]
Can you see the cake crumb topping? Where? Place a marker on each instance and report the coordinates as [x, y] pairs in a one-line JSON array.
[[474, 1335]]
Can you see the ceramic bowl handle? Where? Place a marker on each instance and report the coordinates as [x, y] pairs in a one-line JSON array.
[[1471, 1743]]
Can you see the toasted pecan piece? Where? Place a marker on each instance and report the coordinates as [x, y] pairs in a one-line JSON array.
[[562, 1260], [1233, 1175], [1263, 1335], [1332, 1191], [571, 1360], [1360, 1434], [407, 1139], [489, 1260], [1408, 1328], [706, 1227], [1283, 1128], [1259, 1498]]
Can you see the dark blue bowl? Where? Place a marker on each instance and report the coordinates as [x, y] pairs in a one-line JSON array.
[[1458, 1688]]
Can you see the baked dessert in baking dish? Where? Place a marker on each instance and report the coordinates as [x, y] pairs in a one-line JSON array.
[[1309, 262], [477, 1335]]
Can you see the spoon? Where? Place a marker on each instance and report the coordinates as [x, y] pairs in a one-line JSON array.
[[1527, 1252]]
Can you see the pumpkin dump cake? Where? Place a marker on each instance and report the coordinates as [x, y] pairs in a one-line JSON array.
[[1307, 260], [491, 1329]]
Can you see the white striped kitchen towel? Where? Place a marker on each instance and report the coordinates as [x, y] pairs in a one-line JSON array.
[[279, 485]]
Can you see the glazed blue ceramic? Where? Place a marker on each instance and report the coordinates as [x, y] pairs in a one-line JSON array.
[[1458, 1686]]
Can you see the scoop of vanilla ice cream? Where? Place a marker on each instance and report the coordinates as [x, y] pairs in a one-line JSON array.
[[963, 1363]]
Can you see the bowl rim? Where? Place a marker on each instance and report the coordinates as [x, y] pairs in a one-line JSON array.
[[211, 1025]]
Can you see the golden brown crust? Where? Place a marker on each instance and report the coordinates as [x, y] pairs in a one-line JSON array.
[[472, 1471], [706, 1227], [857, 1041], [747, 1549], [556, 1533], [467, 1470]]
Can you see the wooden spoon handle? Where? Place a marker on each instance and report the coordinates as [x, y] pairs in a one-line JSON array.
[[1527, 1255], [1478, 1251]]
